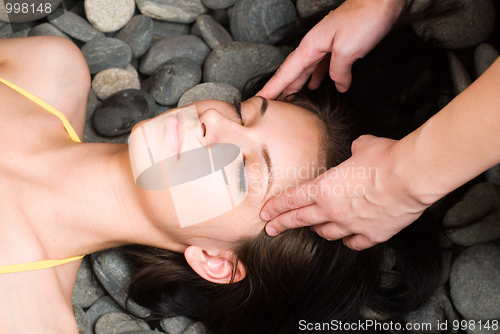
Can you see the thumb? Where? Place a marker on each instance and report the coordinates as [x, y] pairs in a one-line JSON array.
[[290, 199], [340, 71]]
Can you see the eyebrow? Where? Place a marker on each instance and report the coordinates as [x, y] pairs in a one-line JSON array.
[[263, 107], [269, 165]]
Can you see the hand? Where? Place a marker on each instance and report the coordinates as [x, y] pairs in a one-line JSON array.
[[348, 33], [361, 200]]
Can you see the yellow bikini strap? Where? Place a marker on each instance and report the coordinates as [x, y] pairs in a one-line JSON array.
[[15, 268]]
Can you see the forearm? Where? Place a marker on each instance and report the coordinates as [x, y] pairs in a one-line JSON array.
[[454, 146]]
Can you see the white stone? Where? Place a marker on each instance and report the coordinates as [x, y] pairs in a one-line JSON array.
[[112, 80], [109, 16]]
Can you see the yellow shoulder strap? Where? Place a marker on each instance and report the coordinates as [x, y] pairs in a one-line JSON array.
[[67, 125], [15, 268]]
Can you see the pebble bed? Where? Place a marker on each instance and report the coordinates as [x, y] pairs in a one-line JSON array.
[[147, 56]]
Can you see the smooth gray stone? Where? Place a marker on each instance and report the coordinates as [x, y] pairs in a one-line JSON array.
[[90, 135], [174, 78], [106, 52], [195, 30], [169, 29], [212, 32], [113, 272], [87, 290], [92, 103], [436, 311], [98, 309], [493, 175], [138, 34], [109, 16], [117, 323], [221, 16], [75, 26], [218, 4], [484, 56], [81, 319], [16, 30], [175, 325], [469, 25], [307, 8], [479, 214], [210, 91], [262, 21], [185, 11], [47, 29], [474, 282], [32, 13], [459, 75], [196, 328], [185, 46], [236, 63]]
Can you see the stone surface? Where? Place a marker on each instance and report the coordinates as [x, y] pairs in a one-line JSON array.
[[484, 56], [210, 91], [212, 32], [467, 26], [7, 32], [185, 11], [117, 323], [218, 4], [90, 135], [172, 79], [195, 30], [98, 309], [307, 8], [81, 319], [108, 16], [236, 63], [87, 289], [262, 21], [47, 29], [175, 325], [138, 34], [479, 325], [48, 6], [474, 282], [196, 328], [169, 29], [479, 214], [184, 46], [459, 75], [75, 26], [107, 52], [112, 80]]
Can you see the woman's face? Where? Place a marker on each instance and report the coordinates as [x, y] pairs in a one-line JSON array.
[[279, 145]]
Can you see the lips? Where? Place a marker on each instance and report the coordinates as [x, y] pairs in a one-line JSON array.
[[172, 130]]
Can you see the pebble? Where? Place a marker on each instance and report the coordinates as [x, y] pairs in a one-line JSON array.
[[195, 30], [106, 52], [175, 325], [172, 79], [218, 4], [75, 26], [98, 309], [212, 32], [109, 16], [467, 26], [113, 272], [138, 34], [169, 29], [117, 323], [484, 56], [48, 6], [262, 21], [479, 214], [132, 69], [236, 63], [87, 289], [81, 319], [185, 11], [210, 91], [90, 135], [474, 282], [196, 328], [307, 8], [112, 80], [459, 75], [47, 29], [184, 46]]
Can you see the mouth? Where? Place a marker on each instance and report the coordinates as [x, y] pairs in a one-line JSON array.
[[172, 130]]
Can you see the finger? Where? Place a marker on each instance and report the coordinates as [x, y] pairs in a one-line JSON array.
[[330, 231], [319, 74], [358, 242], [340, 70], [297, 85], [305, 216]]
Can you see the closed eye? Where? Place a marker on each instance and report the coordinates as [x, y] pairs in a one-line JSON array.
[[237, 108]]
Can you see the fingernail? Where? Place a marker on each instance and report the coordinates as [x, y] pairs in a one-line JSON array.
[[271, 231], [265, 216], [340, 88]]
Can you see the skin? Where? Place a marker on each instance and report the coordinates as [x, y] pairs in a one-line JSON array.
[[60, 198]]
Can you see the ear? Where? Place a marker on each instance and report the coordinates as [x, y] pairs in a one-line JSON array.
[[215, 268]]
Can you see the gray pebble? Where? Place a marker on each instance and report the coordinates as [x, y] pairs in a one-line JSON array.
[[32, 14], [169, 29], [16, 30], [112, 80], [98, 309], [307, 8], [195, 30], [117, 323], [210, 91], [107, 52], [479, 212], [196, 328], [81, 319], [459, 75], [236, 63], [474, 282], [175, 325], [218, 4], [484, 56], [185, 46], [212, 32], [185, 11], [109, 16], [76, 27], [138, 34], [467, 26], [47, 29], [90, 135], [87, 290], [174, 78], [262, 21]]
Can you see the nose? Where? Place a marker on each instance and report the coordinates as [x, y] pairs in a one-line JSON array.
[[217, 128]]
